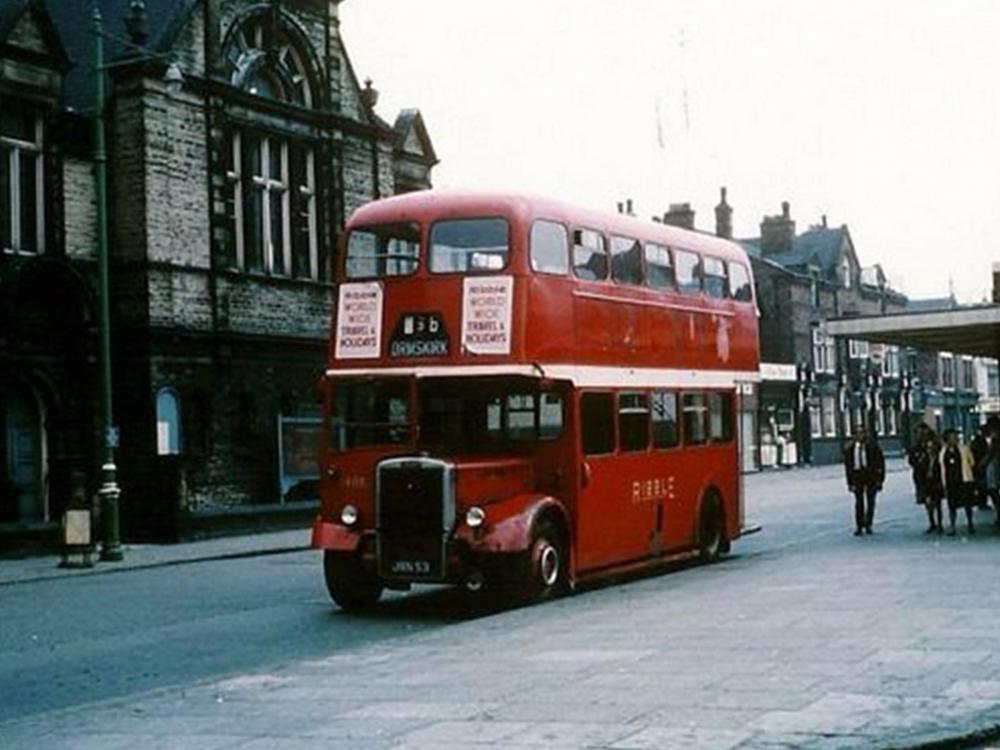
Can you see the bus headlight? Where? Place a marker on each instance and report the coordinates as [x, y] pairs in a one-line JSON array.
[[475, 517], [349, 515]]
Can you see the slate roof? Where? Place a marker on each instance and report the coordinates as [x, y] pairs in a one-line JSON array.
[[816, 247], [10, 11], [932, 304], [74, 21], [407, 120]]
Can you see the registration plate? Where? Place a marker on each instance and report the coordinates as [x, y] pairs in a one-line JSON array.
[[411, 567]]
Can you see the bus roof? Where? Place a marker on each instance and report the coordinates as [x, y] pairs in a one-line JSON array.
[[428, 205]]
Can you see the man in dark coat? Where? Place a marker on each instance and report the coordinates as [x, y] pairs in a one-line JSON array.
[[918, 458], [864, 465]]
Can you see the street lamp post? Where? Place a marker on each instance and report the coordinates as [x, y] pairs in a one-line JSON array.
[[109, 493]]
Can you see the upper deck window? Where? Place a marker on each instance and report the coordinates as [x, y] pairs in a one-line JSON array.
[[659, 267], [462, 245], [548, 248], [716, 279], [590, 255], [688, 267], [626, 260], [383, 250], [739, 283]]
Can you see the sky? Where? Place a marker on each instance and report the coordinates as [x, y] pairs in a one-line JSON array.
[[884, 116]]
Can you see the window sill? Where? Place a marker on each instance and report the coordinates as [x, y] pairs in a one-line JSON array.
[[274, 278]]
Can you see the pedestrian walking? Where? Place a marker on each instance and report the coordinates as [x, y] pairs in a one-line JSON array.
[[918, 458], [864, 465], [931, 487], [957, 479]]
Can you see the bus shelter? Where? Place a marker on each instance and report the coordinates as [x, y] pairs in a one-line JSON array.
[[968, 330], [973, 331]]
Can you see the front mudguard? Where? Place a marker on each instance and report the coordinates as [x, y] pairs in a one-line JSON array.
[[334, 536], [509, 524]]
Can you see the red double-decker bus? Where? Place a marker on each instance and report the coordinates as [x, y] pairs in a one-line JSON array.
[[526, 393]]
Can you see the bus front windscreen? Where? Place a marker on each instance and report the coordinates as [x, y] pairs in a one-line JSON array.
[[383, 250], [469, 245]]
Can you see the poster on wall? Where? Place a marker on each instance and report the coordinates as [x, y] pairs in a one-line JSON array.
[[486, 314], [298, 462], [359, 321]]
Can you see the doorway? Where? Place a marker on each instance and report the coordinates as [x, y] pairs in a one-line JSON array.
[[22, 489]]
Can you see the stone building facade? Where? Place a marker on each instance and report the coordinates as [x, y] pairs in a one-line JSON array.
[[226, 200]]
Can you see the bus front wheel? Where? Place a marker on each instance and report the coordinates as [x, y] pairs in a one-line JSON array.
[[547, 562], [350, 587], [711, 530]]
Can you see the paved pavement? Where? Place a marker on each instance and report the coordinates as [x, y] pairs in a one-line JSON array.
[[137, 556], [820, 640]]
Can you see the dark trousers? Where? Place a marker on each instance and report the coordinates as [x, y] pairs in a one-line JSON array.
[[864, 506]]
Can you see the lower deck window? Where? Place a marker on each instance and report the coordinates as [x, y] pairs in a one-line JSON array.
[[597, 423], [720, 417], [694, 412], [633, 421], [664, 419], [477, 416]]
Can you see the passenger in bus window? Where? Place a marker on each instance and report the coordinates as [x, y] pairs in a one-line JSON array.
[[864, 465]]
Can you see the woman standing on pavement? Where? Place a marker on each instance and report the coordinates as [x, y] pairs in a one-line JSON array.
[[956, 478], [931, 488]]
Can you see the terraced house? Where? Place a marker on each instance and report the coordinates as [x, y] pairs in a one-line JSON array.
[[239, 139]]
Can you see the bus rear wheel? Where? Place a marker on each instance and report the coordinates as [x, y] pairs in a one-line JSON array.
[[711, 530], [350, 587], [547, 563]]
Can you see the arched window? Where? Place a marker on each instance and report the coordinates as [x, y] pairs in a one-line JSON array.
[[270, 187], [168, 422], [263, 56]]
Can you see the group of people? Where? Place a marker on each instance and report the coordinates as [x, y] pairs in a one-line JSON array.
[[964, 476], [946, 471]]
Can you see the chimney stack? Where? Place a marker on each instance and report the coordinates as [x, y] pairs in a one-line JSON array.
[[824, 221], [996, 283], [724, 218], [777, 233], [680, 215]]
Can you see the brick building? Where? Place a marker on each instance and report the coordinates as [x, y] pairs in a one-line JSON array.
[[813, 389], [818, 388], [225, 201]]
